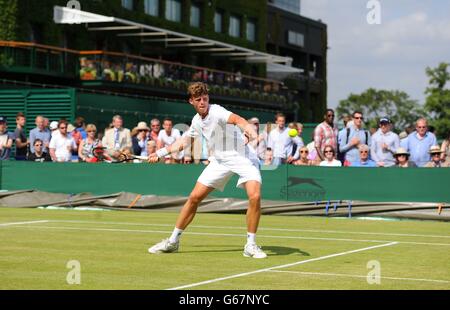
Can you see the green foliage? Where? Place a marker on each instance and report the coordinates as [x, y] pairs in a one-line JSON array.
[[438, 98], [8, 20], [373, 103]]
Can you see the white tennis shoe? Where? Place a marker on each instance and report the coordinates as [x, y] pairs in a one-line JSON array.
[[164, 246], [252, 250]]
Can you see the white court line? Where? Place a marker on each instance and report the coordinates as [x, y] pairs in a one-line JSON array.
[[356, 276], [230, 235], [281, 266], [260, 229], [22, 223]]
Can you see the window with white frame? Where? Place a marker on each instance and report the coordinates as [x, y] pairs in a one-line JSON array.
[[218, 21]]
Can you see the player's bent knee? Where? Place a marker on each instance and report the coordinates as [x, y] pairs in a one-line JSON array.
[[254, 197]]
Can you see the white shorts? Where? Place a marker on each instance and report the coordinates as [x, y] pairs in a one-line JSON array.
[[218, 172]]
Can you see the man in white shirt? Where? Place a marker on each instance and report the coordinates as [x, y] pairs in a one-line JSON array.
[[61, 145], [230, 155], [281, 143], [167, 137]]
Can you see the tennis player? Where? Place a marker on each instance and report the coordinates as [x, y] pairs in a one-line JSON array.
[[227, 136]]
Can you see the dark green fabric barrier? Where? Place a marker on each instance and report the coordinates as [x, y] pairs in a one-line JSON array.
[[285, 183]]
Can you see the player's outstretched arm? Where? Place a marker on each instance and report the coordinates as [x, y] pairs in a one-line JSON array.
[[177, 146], [247, 128]]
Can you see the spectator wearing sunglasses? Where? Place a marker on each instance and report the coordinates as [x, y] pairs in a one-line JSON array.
[[436, 161], [140, 139], [330, 158], [354, 136], [303, 160], [62, 145], [88, 145], [419, 143], [401, 156], [39, 155], [325, 134], [364, 160]]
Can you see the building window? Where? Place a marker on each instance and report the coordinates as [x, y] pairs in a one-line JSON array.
[[151, 7], [195, 16], [251, 30], [218, 21], [128, 4], [235, 27], [173, 10], [296, 38]]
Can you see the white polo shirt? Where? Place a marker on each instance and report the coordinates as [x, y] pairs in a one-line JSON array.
[[63, 147]]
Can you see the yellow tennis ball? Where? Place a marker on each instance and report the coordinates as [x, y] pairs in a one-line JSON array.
[[292, 133]]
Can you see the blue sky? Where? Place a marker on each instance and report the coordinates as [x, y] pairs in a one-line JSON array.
[[413, 34]]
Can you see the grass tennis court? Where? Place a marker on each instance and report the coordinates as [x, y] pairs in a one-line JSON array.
[[304, 252]]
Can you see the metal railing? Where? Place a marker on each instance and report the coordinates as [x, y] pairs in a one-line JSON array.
[[124, 68]]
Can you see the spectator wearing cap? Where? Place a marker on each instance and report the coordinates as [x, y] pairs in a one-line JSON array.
[[354, 136], [384, 144], [401, 156], [419, 143], [6, 139], [88, 145], [62, 145], [326, 134], [364, 160], [117, 138], [54, 128], [20, 137], [330, 158], [39, 155], [436, 162], [40, 132], [140, 140]]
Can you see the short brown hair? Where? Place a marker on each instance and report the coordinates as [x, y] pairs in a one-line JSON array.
[[197, 89], [279, 114], [19, 115]]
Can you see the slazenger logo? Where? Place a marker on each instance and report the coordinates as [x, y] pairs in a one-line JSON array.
[[301, 188]]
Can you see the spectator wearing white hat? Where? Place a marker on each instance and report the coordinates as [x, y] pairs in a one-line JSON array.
[[384, 144], [401, 156], [436, 162], [140, 140]]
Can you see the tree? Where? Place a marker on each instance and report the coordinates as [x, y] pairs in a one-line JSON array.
[[374, 104], [438, 98]]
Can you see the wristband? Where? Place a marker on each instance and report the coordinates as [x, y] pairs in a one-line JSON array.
[[162, 152]]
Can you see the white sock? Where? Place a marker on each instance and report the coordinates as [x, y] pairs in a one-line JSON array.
[[175, 235], [251, 238]]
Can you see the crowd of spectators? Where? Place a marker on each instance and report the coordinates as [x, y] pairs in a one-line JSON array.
[[353, 145]]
